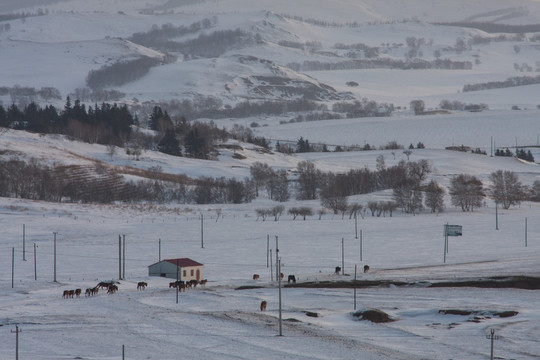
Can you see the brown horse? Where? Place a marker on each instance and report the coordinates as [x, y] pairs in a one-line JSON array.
[[112, 289], [366, 268], [65, 295], [91, 291], [203, 282], [193, 283], [263, 305], [78, 292], [255, 276], [141, 285], [104, 284]]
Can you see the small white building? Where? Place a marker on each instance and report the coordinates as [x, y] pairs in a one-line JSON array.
[[185, 268]]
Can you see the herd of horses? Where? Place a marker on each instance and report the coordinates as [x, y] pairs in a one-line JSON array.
[[183, 285], [112, 288]]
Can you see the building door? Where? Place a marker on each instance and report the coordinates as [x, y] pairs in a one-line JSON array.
[[198, 274]]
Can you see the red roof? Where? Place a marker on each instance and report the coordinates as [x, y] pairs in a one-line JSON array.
[[182, 262]]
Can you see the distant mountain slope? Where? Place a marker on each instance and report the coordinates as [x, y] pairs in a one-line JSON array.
[[203, 45]]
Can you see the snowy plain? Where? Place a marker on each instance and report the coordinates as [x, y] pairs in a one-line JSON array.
[[218, 321]]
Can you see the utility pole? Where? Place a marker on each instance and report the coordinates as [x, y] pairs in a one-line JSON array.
[[278, 271], [525, 232], [119, 257], [280, 316], [202, 228], [355, 266], [342, 256], [12, 267], [355, 226], [267, 250], [54, 257], [496, 216], [159, 246], [271, 270], [492, 337], [35, 262], [124, 258], [361, 245], [177, 284], [17, 331], [23, 242]]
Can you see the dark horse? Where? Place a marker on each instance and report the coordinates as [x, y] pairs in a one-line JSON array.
[[141, 285]]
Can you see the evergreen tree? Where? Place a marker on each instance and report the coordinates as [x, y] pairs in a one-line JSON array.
[[169, 144], [195, 145]]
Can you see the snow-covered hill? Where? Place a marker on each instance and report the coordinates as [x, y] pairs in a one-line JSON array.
[[67, 39]]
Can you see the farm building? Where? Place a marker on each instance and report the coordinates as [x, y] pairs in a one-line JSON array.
[[185, 268]]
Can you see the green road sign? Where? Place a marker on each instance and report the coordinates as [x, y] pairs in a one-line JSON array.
[[453, 230]]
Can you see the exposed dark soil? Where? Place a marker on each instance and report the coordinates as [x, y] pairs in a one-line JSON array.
[[514, 282], [373, 315]]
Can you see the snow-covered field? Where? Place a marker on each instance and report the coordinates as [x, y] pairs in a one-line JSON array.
[[220, 322]]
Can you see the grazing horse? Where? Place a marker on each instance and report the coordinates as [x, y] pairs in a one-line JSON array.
[[338, 270], [175, 284], [141, 285], [203, 282], [255, 276], [78, 292], [366, 268], [90, 291], [104, 284], [263, 305], [291, 278], [112, 289]]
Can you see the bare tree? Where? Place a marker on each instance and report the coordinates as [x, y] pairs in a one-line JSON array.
[[276, 211], [111, 150], [335, 203], [418, 106], [466, 192], [434, 199], [506, 189], [308, 181], [262, 213], [260, 173]]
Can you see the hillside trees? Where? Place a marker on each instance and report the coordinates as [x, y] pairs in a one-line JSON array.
[[466, 192], [308, 181], [260, 172], [506, 189]]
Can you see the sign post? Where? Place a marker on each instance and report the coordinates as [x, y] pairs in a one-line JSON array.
[[450, 230]]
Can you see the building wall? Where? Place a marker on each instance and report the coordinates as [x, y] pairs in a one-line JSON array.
[[168, 270]]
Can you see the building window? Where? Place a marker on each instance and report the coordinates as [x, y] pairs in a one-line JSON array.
[[192, 272], [185, 273]]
